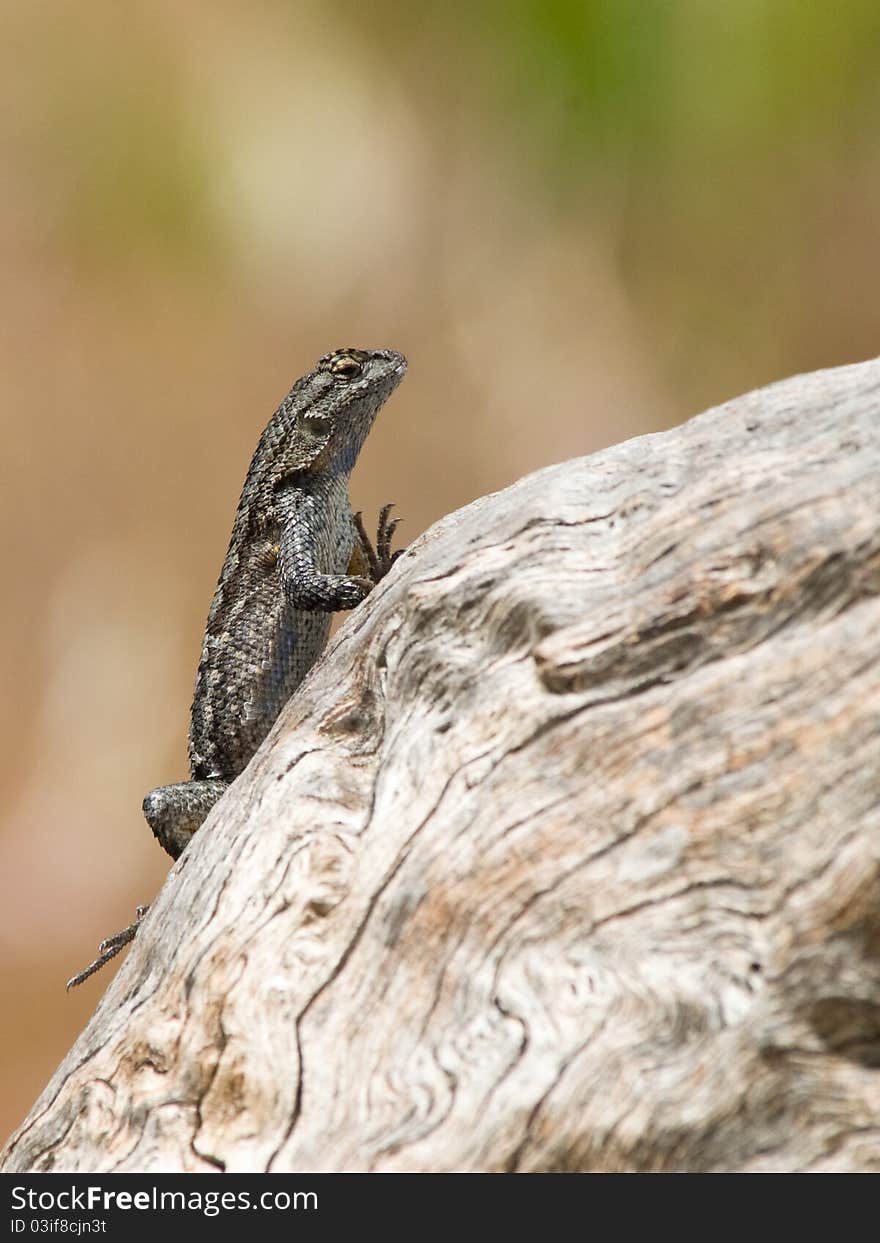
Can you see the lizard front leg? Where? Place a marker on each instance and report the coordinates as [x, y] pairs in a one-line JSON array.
[[305, 586], [379, 560]]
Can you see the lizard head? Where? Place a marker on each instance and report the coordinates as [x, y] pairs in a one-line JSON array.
[[331, 410]]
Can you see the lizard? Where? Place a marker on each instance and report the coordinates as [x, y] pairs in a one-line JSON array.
[[296, 555]]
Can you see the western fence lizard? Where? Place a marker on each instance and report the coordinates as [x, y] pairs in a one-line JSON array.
[[297, 554]]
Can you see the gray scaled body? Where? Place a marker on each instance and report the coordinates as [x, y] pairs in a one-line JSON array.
[[296, 555], [292, 561]]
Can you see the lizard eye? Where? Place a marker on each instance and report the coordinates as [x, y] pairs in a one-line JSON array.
[[346, 366]]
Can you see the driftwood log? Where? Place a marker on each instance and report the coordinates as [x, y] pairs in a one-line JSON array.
[[565, 857]]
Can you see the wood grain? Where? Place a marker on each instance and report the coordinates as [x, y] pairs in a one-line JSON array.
[[565, 857]]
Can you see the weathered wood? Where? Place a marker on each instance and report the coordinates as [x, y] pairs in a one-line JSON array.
[[566, 856]]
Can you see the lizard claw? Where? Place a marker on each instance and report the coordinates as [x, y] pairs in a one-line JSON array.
[[109, 948], [380, 559]]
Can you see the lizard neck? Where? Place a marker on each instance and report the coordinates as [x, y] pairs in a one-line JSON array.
[[343, 456]]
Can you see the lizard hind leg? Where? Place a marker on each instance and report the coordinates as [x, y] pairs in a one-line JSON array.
[[109, 948], [174, 812]]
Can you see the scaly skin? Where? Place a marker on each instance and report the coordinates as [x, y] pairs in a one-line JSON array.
[[294, 545]]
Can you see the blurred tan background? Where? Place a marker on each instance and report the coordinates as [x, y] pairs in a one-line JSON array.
[[580, 221]]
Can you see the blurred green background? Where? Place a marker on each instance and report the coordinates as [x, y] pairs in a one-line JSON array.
[[580, 221]]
